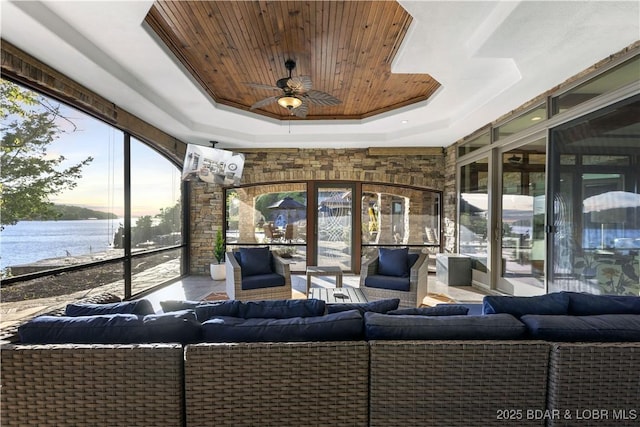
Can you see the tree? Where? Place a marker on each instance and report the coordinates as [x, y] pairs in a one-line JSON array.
[[29, 174], [143, 231], [170, 219]]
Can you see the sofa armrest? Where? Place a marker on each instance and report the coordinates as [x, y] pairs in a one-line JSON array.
[[233, 275], [419, 275], [281, 266]]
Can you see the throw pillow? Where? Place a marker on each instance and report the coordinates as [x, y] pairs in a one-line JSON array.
[[206, 311], [440, 310], [175, 327], [581, 304], [255, 261], [282, 309], [380, 306], [177, 305], [553, 304], [331, 327], [140, 307], [393, 262]]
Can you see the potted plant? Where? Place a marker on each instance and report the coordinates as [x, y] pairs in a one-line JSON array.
[[218, 269]]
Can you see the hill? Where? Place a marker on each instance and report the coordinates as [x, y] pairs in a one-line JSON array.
[[68, 212]]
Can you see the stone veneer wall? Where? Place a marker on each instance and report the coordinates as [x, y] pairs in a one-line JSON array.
[[419, 167], [449, 200]]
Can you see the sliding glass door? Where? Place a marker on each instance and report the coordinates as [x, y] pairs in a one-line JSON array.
[[522, 238], [595, 188]]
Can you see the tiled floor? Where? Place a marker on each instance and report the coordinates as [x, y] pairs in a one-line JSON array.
[[195, 288]]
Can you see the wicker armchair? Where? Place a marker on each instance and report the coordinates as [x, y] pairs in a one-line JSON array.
[[234, 280], [417, 283]]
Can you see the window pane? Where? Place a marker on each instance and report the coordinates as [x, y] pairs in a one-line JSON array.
[[156, 222], [335, 219], [521, 123], [474, 205], [87, 210], [400, 215], [618, 77], [596, 245], [474, 144], [156, 207], [273, 215], [523, 207]]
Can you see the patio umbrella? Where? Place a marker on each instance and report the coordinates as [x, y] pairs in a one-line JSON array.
[[287, 204]]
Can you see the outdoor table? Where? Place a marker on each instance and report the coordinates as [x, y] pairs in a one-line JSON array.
[[314, 270]]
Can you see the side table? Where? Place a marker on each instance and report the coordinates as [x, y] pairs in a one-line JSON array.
[[453, 269]]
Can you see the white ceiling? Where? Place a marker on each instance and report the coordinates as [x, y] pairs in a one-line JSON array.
[[489, 56]]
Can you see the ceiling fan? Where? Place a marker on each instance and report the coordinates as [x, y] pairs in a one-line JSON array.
[[296, 93]]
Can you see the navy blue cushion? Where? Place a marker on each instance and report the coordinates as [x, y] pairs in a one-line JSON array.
[[554, 304], [269, 280], [499, 327], [380, 306], [440, 310], [177, 326], [282, 309], [255, 261], [588, 304], [140, 307], [388, 282], [331, 327], [204, 309], [393, 262], [600, 328], [177, 305], [473, 308], [208, 310], [101, 329]]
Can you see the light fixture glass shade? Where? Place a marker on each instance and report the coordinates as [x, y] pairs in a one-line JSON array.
[[289, 102]]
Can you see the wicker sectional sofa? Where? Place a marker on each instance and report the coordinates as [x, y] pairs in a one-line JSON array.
[[348, 382]]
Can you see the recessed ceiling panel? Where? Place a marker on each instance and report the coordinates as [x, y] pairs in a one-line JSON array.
[[345, 47]]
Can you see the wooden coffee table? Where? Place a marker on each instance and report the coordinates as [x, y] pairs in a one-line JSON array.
[[338, 295], [314, 270]]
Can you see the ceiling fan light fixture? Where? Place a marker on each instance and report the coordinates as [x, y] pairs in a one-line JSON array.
[[289, 102]]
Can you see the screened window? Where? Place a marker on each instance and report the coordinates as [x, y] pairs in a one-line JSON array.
[[64, 184], [473, 214], [399, 216], [596, 239]]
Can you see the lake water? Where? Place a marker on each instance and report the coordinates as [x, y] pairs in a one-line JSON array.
[[30, 241]]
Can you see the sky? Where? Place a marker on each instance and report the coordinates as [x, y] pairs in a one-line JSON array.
[[155, 180]]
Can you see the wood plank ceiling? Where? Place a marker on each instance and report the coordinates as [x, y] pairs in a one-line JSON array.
[[346, 47]]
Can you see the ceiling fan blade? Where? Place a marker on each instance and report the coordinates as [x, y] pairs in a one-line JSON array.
[[300, 84], [261, 86], [321, 98], [301, 111], [264, 102]]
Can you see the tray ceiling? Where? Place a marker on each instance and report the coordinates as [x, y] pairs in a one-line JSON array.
[[346, 48], [488, 57]]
